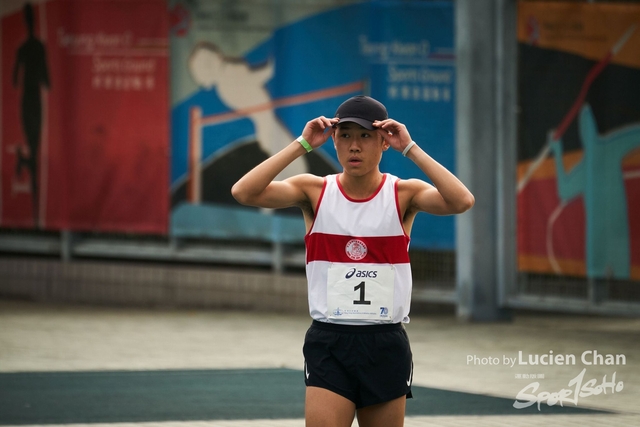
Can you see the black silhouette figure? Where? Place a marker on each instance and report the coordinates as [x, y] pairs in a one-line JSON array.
[[31, 63]]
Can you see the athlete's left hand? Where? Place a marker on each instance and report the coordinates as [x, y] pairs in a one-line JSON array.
[[394, 133]]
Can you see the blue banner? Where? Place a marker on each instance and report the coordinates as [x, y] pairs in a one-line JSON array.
[[245, 108]]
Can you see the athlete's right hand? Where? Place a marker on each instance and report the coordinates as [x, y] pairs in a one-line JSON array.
[[317, 131]]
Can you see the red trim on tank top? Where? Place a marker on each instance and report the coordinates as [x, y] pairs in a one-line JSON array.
[[351, 199], [395, 189], [315, 212]]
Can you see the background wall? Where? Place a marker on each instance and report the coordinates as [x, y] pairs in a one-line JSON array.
[[122, 141]]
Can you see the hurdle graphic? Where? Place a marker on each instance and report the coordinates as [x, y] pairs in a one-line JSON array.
[[197, 122]]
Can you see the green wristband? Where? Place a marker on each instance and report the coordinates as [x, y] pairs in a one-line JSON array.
[[304, 143]]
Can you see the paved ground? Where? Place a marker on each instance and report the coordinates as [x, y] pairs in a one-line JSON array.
[[448, 355]]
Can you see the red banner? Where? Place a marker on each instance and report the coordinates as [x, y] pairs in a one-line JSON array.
[[85, 122]]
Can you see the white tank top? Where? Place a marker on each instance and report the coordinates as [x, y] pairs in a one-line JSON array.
[[357, 259]]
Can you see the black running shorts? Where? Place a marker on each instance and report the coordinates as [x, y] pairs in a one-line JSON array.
[[367, 364]]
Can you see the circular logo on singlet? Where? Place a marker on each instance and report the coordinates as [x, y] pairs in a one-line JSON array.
[[356, 249]]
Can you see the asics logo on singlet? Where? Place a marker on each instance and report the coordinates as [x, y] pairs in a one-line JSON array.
[[354, 272]]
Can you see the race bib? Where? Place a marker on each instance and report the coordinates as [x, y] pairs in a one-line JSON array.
[[363, 292]]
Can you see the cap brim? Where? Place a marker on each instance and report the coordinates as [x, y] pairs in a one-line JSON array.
[[362, 122]]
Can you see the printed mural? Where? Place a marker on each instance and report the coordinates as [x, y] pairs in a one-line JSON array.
[[579, 136], [237, 99]]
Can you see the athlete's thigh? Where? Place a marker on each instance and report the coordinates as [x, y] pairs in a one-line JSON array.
[[387, 414], [324, 408]]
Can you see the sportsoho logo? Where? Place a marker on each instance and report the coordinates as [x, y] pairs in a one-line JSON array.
[[354, 272]]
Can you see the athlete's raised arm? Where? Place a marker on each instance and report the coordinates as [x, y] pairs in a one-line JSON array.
[[447, 196], [258, 188]]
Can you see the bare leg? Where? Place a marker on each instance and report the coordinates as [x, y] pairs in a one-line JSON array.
[[387, 414], [324, 408]]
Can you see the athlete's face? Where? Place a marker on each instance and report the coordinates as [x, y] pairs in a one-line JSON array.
[[359, 149]]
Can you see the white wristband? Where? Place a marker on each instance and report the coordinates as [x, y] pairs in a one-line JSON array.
[[407, 148]]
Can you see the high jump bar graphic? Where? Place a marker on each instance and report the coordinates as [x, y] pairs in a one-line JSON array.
[[575, 107], [197, 122]]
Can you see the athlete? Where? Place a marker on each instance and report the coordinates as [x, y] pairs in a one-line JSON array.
[[31, 65], [357, 355]]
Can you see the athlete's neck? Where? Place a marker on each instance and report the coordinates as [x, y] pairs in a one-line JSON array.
[[360, 187]]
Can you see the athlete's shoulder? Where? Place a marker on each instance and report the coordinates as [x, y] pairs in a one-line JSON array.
[[307, 183], [412, 186], [311, 186], [307, 179], [412, 183]]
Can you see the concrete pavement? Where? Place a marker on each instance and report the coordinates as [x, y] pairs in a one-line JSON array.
[[486, 359]]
